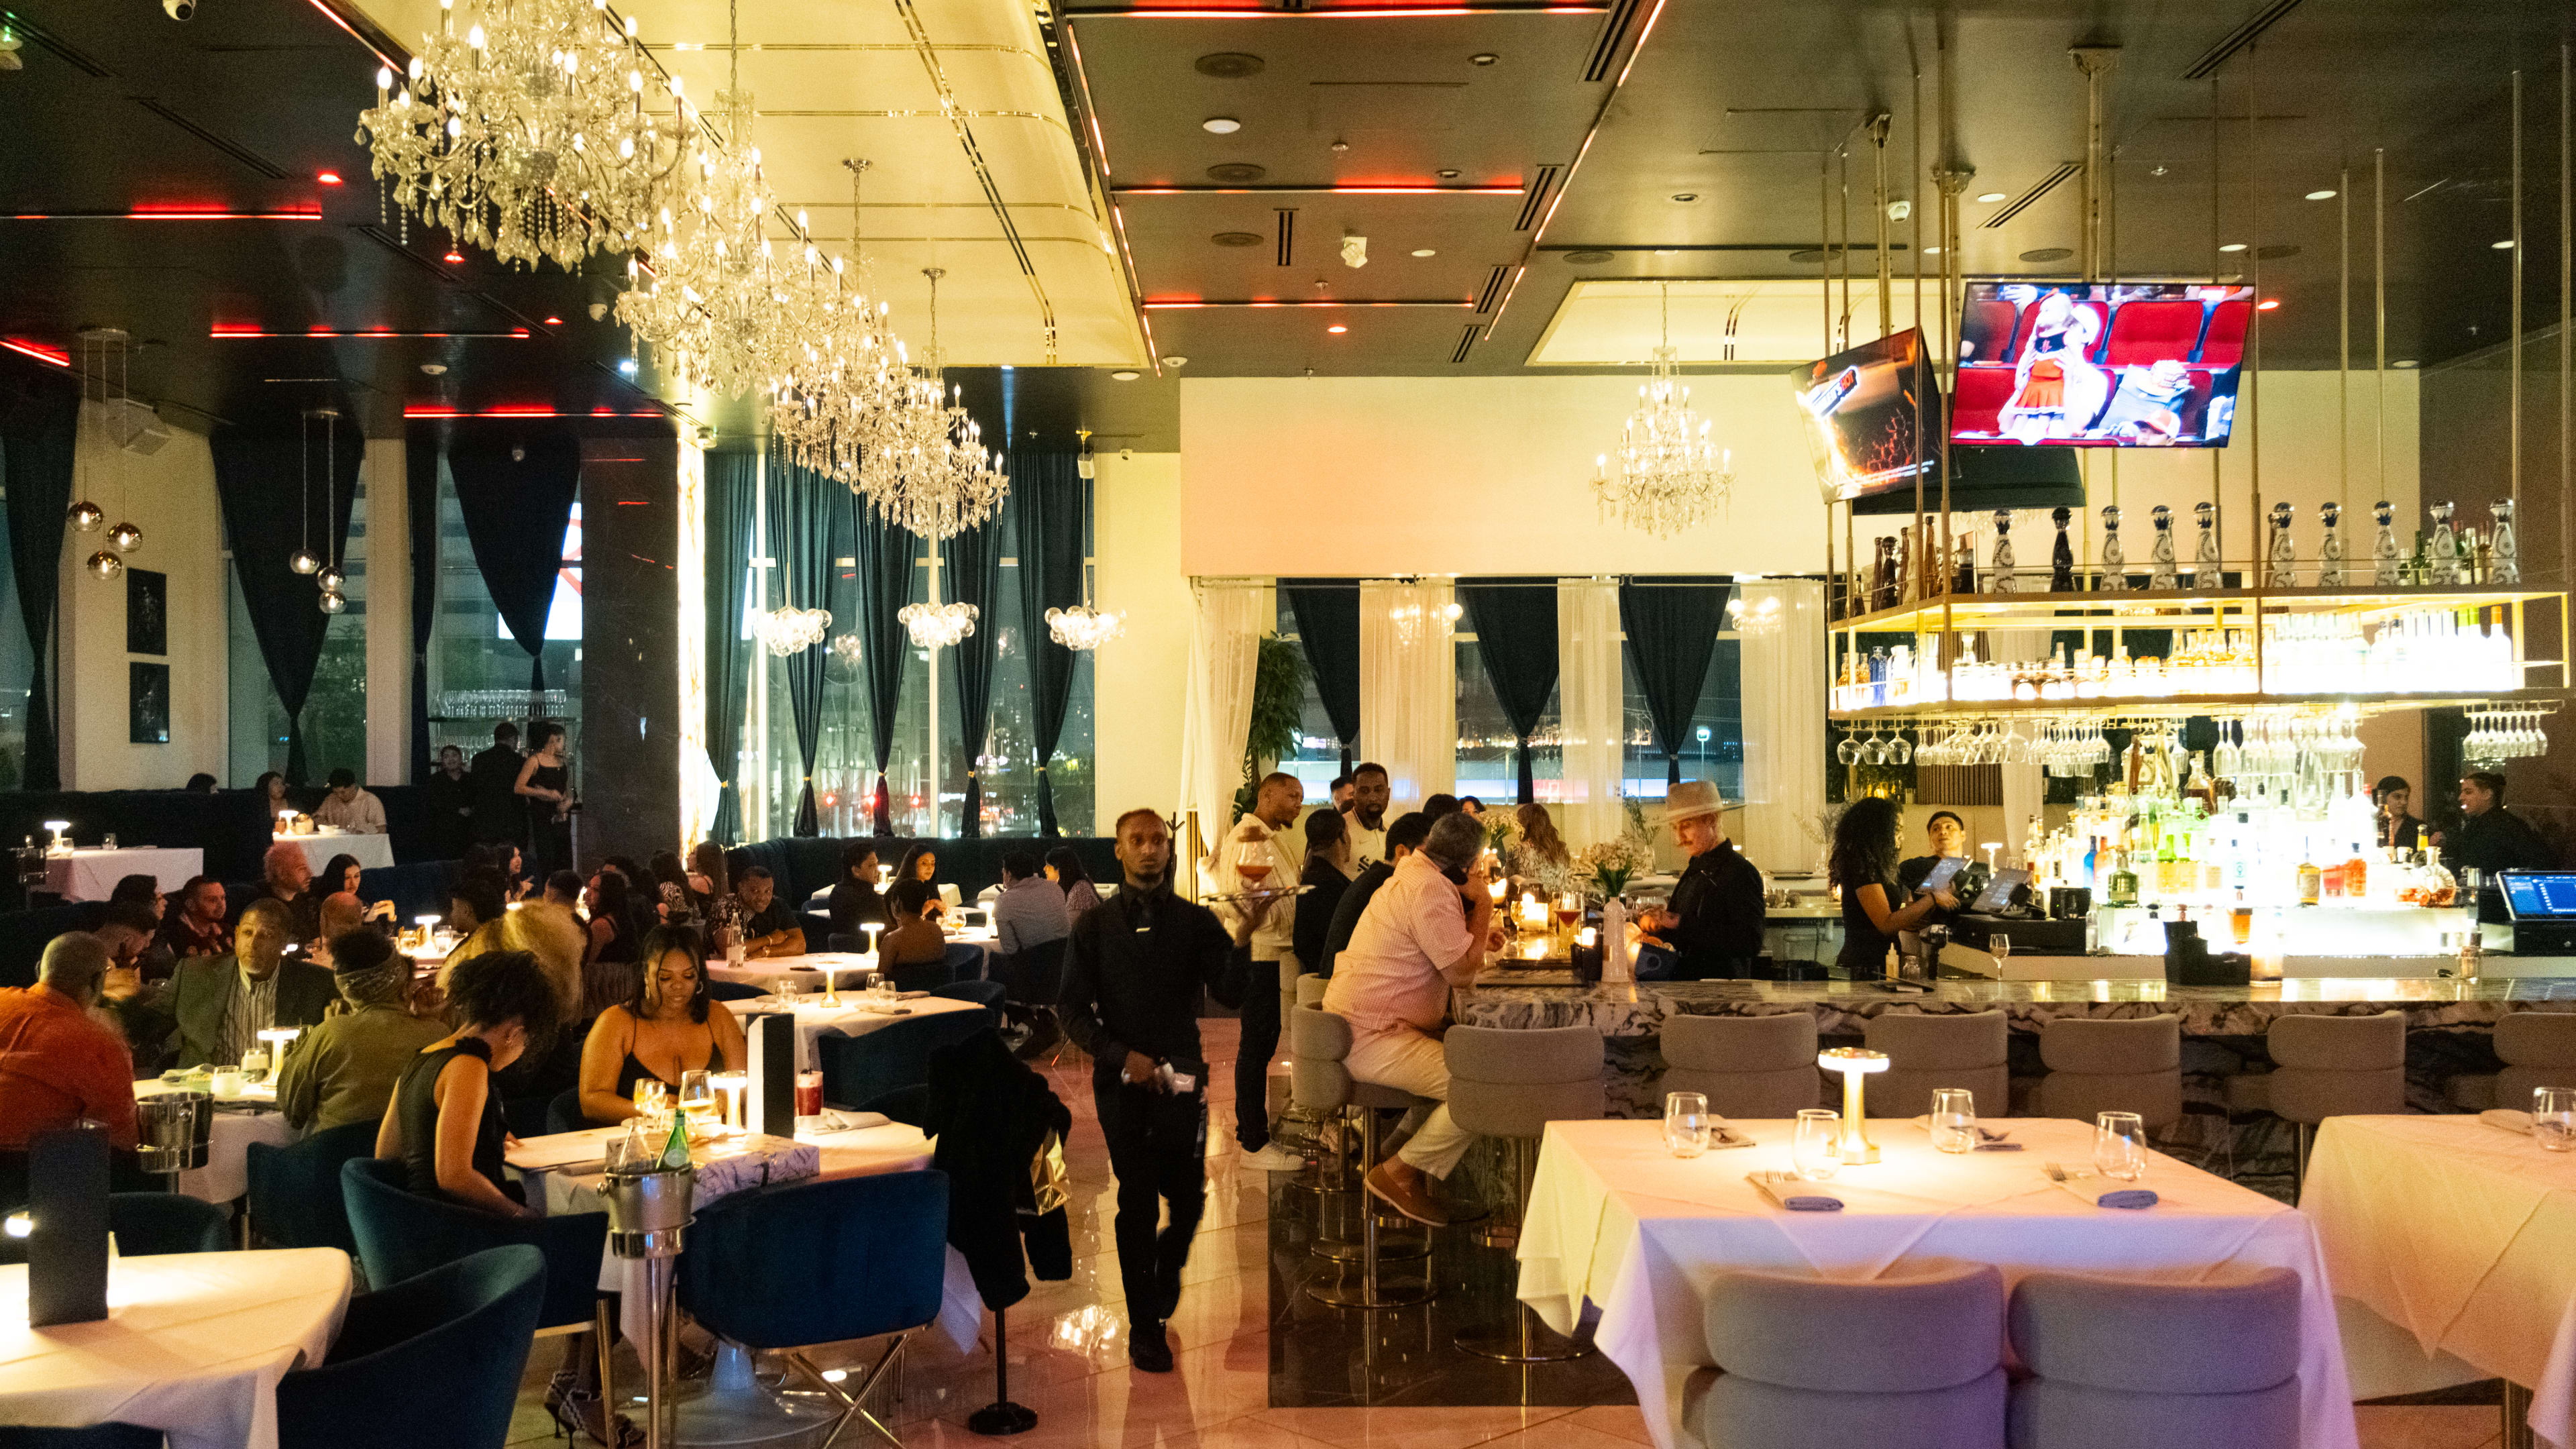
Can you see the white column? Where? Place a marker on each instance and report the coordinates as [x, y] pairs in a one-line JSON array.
[[388, 477], [699, 776]]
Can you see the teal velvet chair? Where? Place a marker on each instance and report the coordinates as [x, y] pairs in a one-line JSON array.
[[294, 1199], [432, 1362], [985, 993], [402, 1234], [148, 1224], [859, 1069]]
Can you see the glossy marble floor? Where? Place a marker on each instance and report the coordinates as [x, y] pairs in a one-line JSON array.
[[1260, 1365]]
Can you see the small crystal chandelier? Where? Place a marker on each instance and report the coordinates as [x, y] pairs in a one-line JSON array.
[[791, 630], [1414, 621], [938, 626], [1670, 476], [845, 647], [1758, 618], [1083, 627], [931, 474]]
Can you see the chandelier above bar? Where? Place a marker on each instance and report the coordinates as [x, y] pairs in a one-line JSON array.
[[1670, 477]]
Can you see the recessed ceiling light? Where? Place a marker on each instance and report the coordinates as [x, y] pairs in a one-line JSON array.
[[1486, 57], [1236, 173], [2267, 304], [2326, 195], [1668, 251], [1685, 197], [1929, 252], [1425, 252], [2403, 362], [1991, 197], [2504, 246], [2233, 247], [1337, 327], [1125, 374], [1174, 359], [1221, 125], [327, 178], [554, 321], [1237, 238], [454, 257], [1588, 257], [434, 369], [627, 366], [1447, 173]]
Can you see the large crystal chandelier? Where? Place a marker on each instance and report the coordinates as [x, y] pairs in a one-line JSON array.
[[938, 626], [843, 371], [1083, 627], [1670, 476], [930, 473], [791, 630], [529, 135]]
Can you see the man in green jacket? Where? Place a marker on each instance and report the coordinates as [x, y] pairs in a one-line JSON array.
[[344, 1070]]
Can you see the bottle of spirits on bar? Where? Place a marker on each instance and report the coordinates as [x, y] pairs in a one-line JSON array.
[[2356, 874], [2124, 884], [2311, 881]]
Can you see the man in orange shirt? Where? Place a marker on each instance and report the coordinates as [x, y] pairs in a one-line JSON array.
[[57, 1065]]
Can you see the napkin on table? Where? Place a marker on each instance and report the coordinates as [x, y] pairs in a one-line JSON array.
[[1768, 1185], [2517, 1123]]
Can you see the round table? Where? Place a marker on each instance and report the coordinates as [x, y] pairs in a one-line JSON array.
[[193, 1345], [373, 852], [855, 1016], [239, 1122]]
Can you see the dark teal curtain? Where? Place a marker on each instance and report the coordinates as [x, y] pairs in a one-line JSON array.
[[39, 421], [260, 482], [515, 485], [885, 554], [730, 479], [1050, 515], [970, 572], [1328, 627], [1515, 628], [801, 504], [1672, 626], [420, 504]]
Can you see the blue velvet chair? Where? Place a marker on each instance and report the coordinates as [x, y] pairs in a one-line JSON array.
[[147, 1224], [432, 1362], [294, 1199], [402, 1234], [96, 1436], [816, 1262], [965, 961], [732, 991], [982, 993], [563, 1112], [859, 1069]]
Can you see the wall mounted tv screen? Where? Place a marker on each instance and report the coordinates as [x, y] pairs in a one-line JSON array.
[[2100, 365], [1863, 404]]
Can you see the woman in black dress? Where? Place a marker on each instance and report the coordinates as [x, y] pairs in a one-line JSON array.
[[669, 1028], [444, 1121], [609, 973], [547, 786], [1863, 864]]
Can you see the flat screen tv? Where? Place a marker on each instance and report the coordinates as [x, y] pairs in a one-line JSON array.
[[2100, 365], [1865, 404]]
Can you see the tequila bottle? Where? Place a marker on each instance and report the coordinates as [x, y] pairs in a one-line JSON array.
[[2445, 548], [2002, 582], [2504, 553], [2061, 555], [2163, 550], [2330, 547], [1963, 568], [2387, 564], [2205, 572], [2115, 563], [2285, 559]]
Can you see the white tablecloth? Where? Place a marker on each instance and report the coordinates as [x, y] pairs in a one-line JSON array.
[[374, 852], [2465, 1236], [90, 875], [193, 1345], [252, 1117], [806, 969], [1615, 1218], [850, 1018]]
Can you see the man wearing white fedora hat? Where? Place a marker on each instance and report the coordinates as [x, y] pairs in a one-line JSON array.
[[1714, 927]]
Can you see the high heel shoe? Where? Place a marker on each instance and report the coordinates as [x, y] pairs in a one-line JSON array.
[[579, 1414]]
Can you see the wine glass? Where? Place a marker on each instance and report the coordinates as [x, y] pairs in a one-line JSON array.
[[1686, 1123], [697, 1092], [1954, 1119], [1813, 1148], [1999, 946], [2120, 1145]]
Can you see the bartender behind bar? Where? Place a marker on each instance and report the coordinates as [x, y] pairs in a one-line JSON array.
[[1713, 931]]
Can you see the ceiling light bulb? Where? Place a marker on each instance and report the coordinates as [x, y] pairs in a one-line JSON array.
[[331, 580], [1125, 374], [433, 369], [327, 178], [304, 562], [85, 516], [1337, 327], [106, 565], [2233, 247], [1990, 197], [125, 537], [2326, 195], [1220, 125], [333, 601], [1483, 58], [1174, 359], [1425, 252], [2504, 246]]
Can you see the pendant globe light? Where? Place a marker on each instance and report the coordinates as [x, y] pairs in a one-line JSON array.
[[305, 561]]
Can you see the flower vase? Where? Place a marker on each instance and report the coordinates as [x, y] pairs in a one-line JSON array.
[[1616, 964]]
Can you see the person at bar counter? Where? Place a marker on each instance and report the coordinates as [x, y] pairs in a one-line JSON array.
[[344, 1069], [1947, 834], [196, 927], [1713, 928], [59, 1065], [499, 814], [2398, 827], [1371, 793], [1260, 854], [769, 928], [2492, 838], [1863, 864], [1401, 839], [671, 1027], [213, 1009], [447, 797], [1327, 880], [1134, 968], [351, 807], [286, 877]]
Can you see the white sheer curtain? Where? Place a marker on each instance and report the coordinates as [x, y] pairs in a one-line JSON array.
[[1409, 687], [1784, 724], [1591, 685], [2024, 785], [1216, 713]]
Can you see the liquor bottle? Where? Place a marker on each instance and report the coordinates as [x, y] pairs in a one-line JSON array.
[[2205, 570], [2162, 550], [2061, 554], [2445, 548], [2124, 883], [2387, 564], [2002, 577], [675, 1151], [2285, 560], [2356, 874], [2505, 553], [1963, 567], [2168, 878], [2330, 547], [2115, 561], [2311, 881]]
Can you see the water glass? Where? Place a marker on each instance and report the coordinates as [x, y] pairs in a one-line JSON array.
[[1686, 1123], [2120, 1145], [650, 1095], [1815, 1149], [2553, 1117], [1954, 1119], [110, 842]]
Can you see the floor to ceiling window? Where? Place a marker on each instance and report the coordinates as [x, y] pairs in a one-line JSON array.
[[335, 707], [478, 674]]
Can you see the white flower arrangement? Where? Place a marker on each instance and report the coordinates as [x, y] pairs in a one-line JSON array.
[[1610, 863]]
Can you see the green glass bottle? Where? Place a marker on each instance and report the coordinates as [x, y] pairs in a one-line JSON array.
[[675, 1152], [2124, 883]]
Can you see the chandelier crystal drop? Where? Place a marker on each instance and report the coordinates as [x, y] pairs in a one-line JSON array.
[[1082, 627], [1670, 477], [930, 473], [792, 630], [938, 626]]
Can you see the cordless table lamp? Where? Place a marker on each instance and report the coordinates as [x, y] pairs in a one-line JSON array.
[[1854, 1064]]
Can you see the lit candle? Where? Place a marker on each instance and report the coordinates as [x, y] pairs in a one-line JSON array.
[[1586, 938], [730, 1088]]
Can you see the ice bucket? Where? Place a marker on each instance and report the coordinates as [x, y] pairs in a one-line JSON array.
[[647, 1210], [170, 1130]]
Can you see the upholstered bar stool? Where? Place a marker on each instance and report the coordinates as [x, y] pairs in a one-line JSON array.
[[1810, 1363], [2326, 1066], [1326, 1153], [1321, 1045], [2112, 1066], [2538, 1049], [1755, 1067], [2119, 1364], [1929, 1052], [1511, 1084]]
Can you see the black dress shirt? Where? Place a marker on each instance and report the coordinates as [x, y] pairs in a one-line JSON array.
[[1326, 887], [1719, 900], [1133, 970]]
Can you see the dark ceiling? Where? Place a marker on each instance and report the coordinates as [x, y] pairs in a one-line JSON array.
[[121, 112]]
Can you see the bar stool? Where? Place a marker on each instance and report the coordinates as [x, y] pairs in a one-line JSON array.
[[1757, 1067], [1511, 1084], [2325, 1066], [2538, 1050], [1323, 1089], [1929, 1052], [2211, 1364], [2112, 1066], [1321, 1043], [1326, 1161], [1807, 1361]]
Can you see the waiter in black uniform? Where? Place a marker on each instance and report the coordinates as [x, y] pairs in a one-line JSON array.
[[1714, 925], [1133, 972], [499, 813]]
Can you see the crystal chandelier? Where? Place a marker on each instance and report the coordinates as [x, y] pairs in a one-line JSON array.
[[1670, 476], [1082, 627], [930, 473], [1414, 621], [843, 371], [791, 630], [938, 626], [530, 135], [845, 647], [1758, 618]]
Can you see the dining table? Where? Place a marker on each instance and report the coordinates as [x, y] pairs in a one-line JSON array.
[[91, 874], [855, 1013], [2458, 1230], [193, 1345], [252, 1116], [1617, 1220], [847, 967]]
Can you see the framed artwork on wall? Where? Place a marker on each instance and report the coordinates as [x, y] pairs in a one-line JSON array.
[[148, 704], [147, 612]]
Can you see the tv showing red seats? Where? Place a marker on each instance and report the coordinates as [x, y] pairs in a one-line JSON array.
[[2101, 365]]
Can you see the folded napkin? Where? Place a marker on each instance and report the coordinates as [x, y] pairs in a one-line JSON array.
[[2134, 1197], [2517, 1123], [835, 1120], [1769, 1185]]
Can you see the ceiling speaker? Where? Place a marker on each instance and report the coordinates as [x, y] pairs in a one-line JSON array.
[[1229, 65], [1237, 238], [136, 427], [1236, 173]]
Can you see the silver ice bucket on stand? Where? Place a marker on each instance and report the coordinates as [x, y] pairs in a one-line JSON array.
[[171, 1130], [647, 1212]]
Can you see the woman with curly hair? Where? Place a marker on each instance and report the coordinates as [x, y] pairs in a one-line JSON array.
[[1863, 865], [444, 1122]]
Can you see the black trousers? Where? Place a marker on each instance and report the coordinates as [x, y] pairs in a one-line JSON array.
[[1252, 1054], [1158, 1149]]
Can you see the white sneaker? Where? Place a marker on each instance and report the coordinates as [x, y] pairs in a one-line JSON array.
[[1274, 1158]]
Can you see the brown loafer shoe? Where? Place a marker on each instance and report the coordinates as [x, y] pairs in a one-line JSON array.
[[1413, 1202]]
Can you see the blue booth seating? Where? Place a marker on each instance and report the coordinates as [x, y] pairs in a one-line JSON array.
[[806, 865]]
